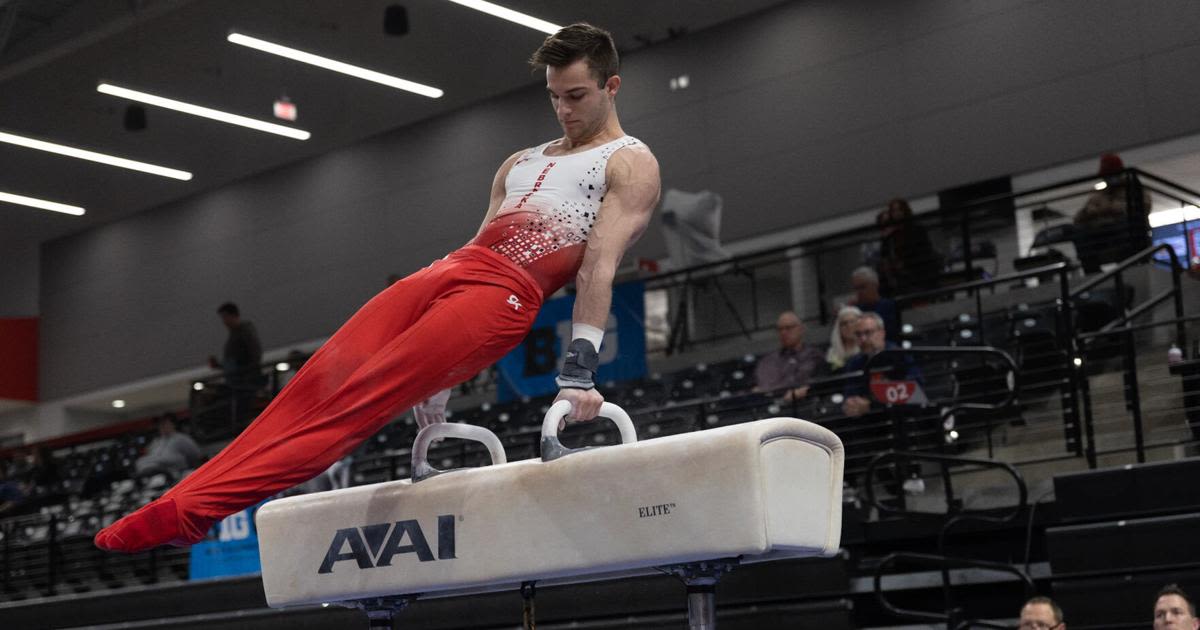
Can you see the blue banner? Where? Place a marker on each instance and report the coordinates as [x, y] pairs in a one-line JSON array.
[[233, 552], [529, 370]]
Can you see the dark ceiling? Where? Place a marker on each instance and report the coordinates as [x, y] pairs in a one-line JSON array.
[[57, 51]]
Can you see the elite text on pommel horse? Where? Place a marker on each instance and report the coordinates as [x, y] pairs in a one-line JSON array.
[[693, 504]]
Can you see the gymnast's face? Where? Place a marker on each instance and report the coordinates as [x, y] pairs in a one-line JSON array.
[[581, 106]]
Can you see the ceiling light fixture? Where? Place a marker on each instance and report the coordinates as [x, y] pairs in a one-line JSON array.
[[336, 66], [42, 204], [510, 15], [203, 112], [92, 156]]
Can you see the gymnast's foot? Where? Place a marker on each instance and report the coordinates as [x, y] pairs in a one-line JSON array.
[[158, 523]]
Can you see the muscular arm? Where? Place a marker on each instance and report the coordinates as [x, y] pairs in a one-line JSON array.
[[498, 190], [633, 190]]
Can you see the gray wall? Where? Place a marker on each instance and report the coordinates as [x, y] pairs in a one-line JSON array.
[[794, 115], [19, 280]]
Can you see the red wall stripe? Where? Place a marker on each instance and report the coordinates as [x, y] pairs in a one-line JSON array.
[[18, 358]]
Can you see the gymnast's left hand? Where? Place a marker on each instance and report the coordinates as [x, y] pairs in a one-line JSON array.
[[585, 403], [432, 410]]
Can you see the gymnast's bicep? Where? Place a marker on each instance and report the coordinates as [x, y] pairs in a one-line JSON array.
[[629, 202]]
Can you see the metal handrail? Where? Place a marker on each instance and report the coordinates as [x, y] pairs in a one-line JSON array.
[[945, 461], [1127, 263], [945, 564], [873, 360], [1160, 180], [977, 203], [983, 284]]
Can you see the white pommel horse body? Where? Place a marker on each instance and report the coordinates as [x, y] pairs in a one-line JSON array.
[[693, 504]]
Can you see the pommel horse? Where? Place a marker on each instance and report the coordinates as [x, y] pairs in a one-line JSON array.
[[693, 505]]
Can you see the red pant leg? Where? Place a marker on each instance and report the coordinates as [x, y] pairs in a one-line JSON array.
[[430, 331], [379, 321], [463, 331]]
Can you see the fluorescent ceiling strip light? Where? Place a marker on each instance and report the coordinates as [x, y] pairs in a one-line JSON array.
[[510, 15], [204, 112], [336, 66], [92, 156], [41, 204]]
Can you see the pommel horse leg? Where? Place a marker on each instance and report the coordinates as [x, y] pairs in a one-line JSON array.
[[381, 610], [701, 579]]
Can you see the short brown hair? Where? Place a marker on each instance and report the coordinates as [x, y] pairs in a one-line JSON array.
[[1173, 589], [580, 41], [1058, 614]]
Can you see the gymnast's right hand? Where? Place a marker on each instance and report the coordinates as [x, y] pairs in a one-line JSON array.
[[432, 410], [585, 404]]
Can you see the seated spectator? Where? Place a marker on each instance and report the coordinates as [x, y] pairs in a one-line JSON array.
[[872, 339], [12, 492], [908, 263], [1041, 613], [43, 470], [865, 282], [793, 365], [171, 452], [842, 342], [1174, 609], [1109, 229]]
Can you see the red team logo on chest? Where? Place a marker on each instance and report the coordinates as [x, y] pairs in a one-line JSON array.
[[536, 185]]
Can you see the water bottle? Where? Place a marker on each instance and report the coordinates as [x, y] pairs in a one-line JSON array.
[[1174, 355]]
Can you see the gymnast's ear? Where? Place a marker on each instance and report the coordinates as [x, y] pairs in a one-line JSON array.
[[612, 85]]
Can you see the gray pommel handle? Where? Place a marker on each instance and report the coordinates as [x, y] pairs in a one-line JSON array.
[[552, 447], [420, 452]]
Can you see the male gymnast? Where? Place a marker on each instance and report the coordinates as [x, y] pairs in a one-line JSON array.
[[568, 208]]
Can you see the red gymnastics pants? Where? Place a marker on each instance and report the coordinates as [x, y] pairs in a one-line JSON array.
[[429, 331]]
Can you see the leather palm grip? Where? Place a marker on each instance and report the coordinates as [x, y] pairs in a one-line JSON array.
[[579, 367]]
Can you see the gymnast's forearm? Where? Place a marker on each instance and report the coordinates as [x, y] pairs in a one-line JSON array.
[[593, 296]]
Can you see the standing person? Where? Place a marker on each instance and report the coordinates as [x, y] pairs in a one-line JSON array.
[[793, 365], [243, 350], [565, 209], [907, 260], [1112, 224], [242, 354]]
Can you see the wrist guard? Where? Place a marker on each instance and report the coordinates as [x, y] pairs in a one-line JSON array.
[[579, 368]]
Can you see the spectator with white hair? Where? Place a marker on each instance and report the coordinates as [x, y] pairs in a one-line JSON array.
[[867, 298], [842, 342]]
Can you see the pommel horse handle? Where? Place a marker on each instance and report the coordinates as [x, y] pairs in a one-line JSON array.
[[552, 447], [420, 452]]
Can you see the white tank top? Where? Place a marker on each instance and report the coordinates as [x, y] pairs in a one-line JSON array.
[[549, 207]]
